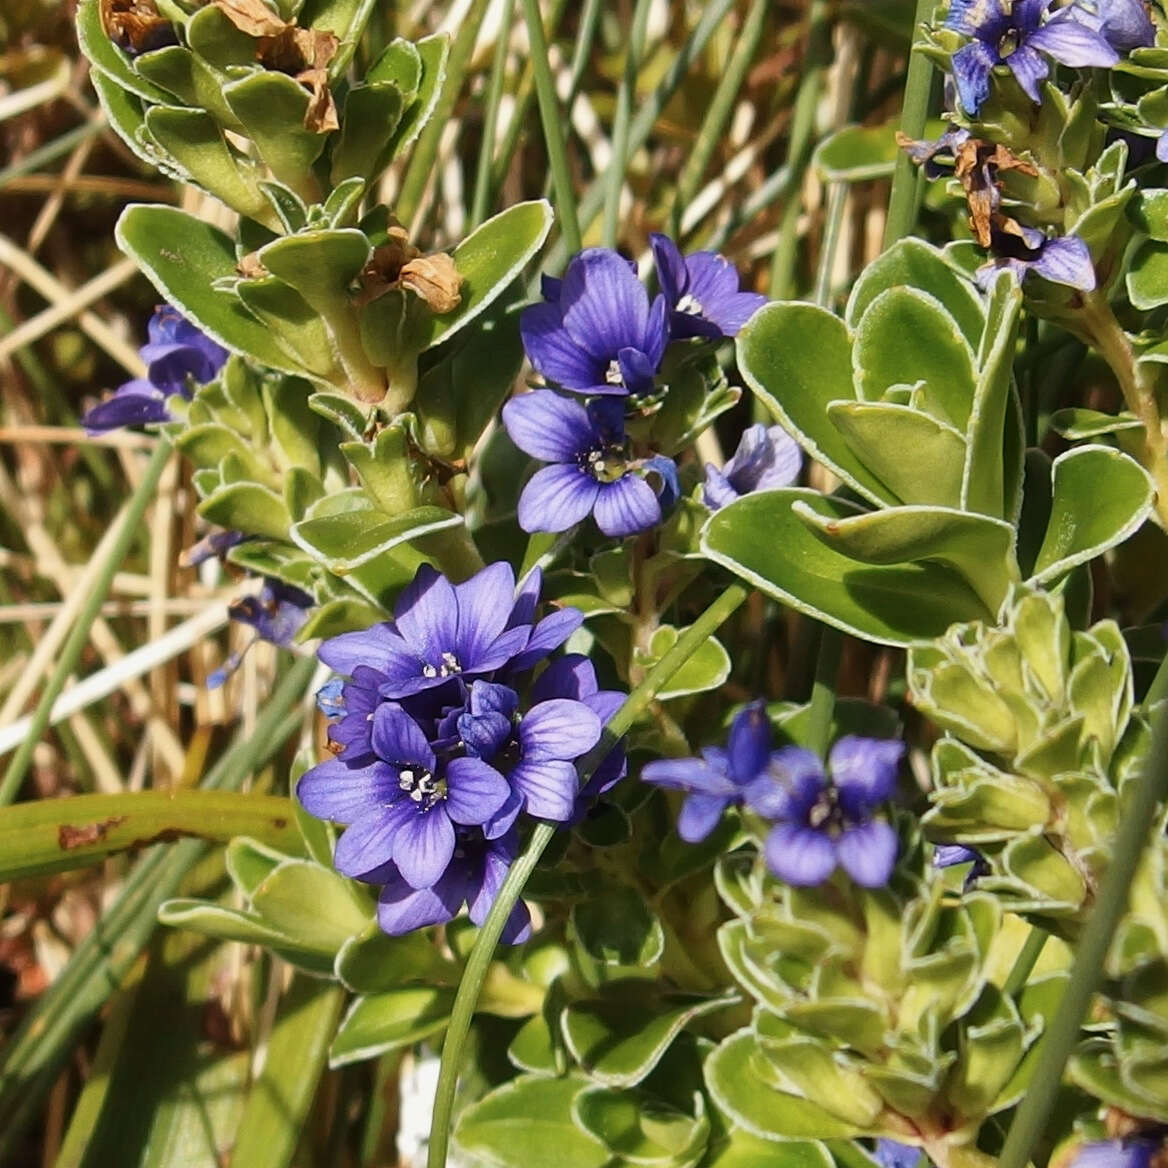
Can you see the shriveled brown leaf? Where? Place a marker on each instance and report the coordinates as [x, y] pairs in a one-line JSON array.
[[252, 17], [304, 54], [135, 26], [434, 279], [977, 164], [383, 269], [251, 267]]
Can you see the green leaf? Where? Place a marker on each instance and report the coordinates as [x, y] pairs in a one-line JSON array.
[[183, 257], [797, 358], [312, 905], [432, 52], [740, 1149], [123, 111], [1149, 212], [279, 1100], [880, 432], [1101, 496], [399, 62], [735, 1076], [249, 508], [292, 323], [987, 479], [249, 863], [979, 549], [906, 337], [107, 58], [372, 962], [372, 112], [271, 107], [54, 835], [618, 928], [346, 541], [912, 263], [760, 538], [211, 35], [619, 1038], [707, 669], [640, 1129], [858, 153], [388, 1021], [1077, 423], [528, 1121], [1147, 277]]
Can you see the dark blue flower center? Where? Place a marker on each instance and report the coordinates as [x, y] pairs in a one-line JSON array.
[[420, 786]]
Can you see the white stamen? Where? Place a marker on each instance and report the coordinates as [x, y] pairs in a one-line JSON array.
[[429, 671], [612, 375], [690, 305]]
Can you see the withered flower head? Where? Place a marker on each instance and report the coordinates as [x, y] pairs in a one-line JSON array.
[[398, 264], [977, 165], [136, 26]]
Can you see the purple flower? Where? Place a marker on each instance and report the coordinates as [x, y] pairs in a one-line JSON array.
[[1064, 260], [1125, 24], [950, 855], [924, 152], [598, 331], [720, 777], [474, 876], [591, 472], [819, 825], [439, 631], [1134, 1153], [177, 356], [702, 292], [1017, 36], [402, 803], [893, 1154], [766, 458], [276, 613]]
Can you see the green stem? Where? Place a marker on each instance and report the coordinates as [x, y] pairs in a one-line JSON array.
[[822, 708], [75, 643], [1024, 963], [918, 91], [800, 146], [482, 187], [549, 114], [1139, 817], [425, 153], [620, 123], [719, 110], [484, 947]]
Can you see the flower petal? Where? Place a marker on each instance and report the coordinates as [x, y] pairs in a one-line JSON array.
[[690, 774], [971, 73], [672, 274], [625, 507], [791, 786], [424, 846], [397, 738], [1066, 261], [605, 306], [484, 605], [749, 743], [570, 676], [552, 351], [402, 909], [548, 788], [699, 816], [426, 615], [1029, 68], [800, 856], [560, 728], [548, 427], [867, 853], [548, 635], [556, 498], [334, 790], [378, 647], [369, 841], [864, 772], [474, 791], [1073, 43]]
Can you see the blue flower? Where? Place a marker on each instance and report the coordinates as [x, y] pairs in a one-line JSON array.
[[276, 613], [702, 292], [591, 472], [720, 777], [766, 458], [401, 804], [597, 333], [1135, 1153], [443, 631], [1125, 24], [820, 825], [177, 356], [893, 1154], [1016, 35], [474, 876], [924, 152], [1022, 250]]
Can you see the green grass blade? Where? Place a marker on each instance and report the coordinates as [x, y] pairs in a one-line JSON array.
[[481, 199]]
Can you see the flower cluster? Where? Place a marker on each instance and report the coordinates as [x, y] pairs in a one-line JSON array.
[[436, 752], [178, 357], [816, 825], [598, 334]]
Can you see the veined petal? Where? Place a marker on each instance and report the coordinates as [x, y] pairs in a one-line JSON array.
[[694, 775], [1073, 43], [548, 427], [423, 846], [484, 605], [749, 743], [604, 305], [636, 370], [397, 738], [672, 273], [1030, 68], [501, 650], [375, 647], [426, 615], [570, 676], [1066, 261], [699, 816], [368, 842], [474, 791], [864, 772], [548, 788], [792, 783], [626, 507], [973, 17], [557, 497], [559, 728], [971, 73], [731, 313], [548, 635], [552, 351], [333, 790], [799, 855], [867, 853], [717, 490], [402, 909]]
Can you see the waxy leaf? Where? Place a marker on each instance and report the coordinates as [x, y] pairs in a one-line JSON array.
[[641, 1129], [618, 928], [1147, 278], [379, 1023], [347, 540], [707, 669], [529, 1121], [760, 538], [107, 58], [394, 65], [371, 114], [858, 153], [183, 257], [1101, 496], [797, 358]]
